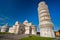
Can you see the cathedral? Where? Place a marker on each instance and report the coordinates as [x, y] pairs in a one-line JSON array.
[[45, 23], [17, 28], [25, 28], [29, 28]]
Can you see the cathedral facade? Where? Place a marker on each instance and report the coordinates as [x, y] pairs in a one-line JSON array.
[[17, 28], [45, 24], [29, 28], [25, 28]]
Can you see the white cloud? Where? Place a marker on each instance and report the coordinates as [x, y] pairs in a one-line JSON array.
[[2, 18]]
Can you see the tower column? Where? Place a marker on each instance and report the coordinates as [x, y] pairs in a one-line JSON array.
[[46, 26]]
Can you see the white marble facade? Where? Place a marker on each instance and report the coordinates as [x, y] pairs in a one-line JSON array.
[[25, 28], [29, 28], [45, 24], [5, 28], [33, 30], [17, 28]]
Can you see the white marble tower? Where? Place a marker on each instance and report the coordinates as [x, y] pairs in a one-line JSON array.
[[45, 24]]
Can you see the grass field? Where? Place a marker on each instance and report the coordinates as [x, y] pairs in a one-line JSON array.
[[36, 38], [4, 33]]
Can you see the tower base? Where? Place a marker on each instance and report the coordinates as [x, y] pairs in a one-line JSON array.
[[47, 32]]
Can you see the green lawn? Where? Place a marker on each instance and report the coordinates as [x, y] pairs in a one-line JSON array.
[[4, 33], [36, 38]]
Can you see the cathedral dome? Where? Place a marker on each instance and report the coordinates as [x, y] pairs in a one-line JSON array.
[[17, 23], [25, 21]]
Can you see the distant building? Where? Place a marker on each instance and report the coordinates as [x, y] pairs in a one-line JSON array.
[[5, 28], [57, 33], [45, 24]]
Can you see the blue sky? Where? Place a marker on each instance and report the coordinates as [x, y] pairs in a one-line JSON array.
[[13, 10]]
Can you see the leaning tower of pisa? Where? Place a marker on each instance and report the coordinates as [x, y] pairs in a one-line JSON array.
[[45, 24]]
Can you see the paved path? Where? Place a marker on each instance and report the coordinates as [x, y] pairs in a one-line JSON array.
[[57, 38], [16, 37], [12, 37]]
